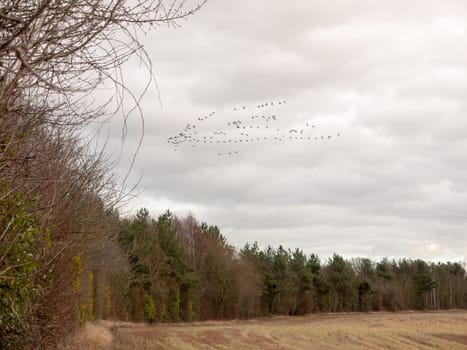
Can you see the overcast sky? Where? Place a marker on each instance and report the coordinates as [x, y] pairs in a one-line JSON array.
[[366, 157]]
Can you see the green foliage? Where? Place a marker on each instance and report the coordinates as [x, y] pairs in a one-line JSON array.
[[455, 269], [76, 268], [364, 290], [423, 282], [174, 300], [21, 280], [212, 231], [76, 271], [85, 310], [172, 246], [383, 270], [136, 239], [250, 252], [149, 308], [313, 264], [154, 249], [340, 275], [90, 297], [321, 286]]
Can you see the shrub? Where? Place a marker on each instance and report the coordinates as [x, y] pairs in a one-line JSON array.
[[21, 278]]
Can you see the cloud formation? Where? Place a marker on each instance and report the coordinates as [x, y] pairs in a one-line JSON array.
[[389, 76]]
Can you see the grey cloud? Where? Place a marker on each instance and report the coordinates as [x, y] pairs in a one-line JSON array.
[[390, 77]]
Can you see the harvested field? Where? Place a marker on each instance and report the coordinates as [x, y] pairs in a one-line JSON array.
[[404, 331]]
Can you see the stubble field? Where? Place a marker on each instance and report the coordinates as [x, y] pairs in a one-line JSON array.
[[404, 331]]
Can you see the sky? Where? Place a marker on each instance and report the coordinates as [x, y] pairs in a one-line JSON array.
[[351, 116]]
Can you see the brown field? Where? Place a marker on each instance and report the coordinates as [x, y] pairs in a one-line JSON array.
[[404, 331]]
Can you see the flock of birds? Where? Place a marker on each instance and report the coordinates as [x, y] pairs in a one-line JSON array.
[[251, 125]]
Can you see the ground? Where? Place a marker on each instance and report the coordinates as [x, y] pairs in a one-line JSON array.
[[404, 331]]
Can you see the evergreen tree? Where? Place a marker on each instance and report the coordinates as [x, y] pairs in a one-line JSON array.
[[339, 274]]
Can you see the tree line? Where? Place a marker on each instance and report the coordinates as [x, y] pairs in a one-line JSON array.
[[172, 269], [175, 269]]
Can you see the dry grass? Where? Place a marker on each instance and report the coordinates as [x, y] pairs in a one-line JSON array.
[[93, 336], [398, 331]]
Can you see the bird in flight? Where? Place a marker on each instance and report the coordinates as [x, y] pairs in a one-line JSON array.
[[268, 127]]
